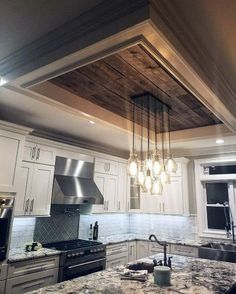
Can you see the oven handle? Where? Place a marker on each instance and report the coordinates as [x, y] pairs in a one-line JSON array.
[[85, 263]]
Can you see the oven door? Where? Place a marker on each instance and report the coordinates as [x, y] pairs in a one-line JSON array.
[[82, 269], [4, 225]]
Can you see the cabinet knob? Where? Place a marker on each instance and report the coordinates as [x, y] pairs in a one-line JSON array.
[[26, 205], [38, 154], [31, 205]]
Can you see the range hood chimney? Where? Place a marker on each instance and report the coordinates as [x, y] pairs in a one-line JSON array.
[[74, 184]]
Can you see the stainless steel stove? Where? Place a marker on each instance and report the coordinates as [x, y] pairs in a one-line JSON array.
[[79, 257]]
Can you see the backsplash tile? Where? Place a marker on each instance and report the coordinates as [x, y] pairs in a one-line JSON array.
[[22, 231], [63, 224], [109, 224]]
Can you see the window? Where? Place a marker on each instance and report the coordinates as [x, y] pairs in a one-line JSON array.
[[216, 195]]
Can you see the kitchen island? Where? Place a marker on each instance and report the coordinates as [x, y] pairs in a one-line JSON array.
[[189, 275]]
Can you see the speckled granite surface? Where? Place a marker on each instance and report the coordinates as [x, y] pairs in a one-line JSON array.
[[189, 275], [112, 239], [20, 255]]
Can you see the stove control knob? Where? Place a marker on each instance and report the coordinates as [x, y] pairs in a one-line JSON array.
[[72, 254], [81, 253], [69, 255], [77, 253], [91, 250]]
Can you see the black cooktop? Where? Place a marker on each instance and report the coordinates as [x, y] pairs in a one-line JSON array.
[[71, 244]]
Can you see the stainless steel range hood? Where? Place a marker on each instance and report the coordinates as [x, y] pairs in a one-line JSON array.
[[74, 184]]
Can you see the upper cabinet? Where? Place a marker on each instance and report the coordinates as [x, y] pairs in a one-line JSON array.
[[111, 179], [105, 166], [39, 153], [35, 181], [12, 138]]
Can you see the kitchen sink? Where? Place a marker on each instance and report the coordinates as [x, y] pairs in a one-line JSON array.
[[218, 251]]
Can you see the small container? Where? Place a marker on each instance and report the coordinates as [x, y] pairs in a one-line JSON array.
[[95, 231], [162, 275]]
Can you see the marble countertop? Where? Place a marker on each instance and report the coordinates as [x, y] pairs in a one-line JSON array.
[[113, 239], [20, 254], [189, 275]]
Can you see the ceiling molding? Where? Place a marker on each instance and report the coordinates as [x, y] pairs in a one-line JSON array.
[[96, 24]]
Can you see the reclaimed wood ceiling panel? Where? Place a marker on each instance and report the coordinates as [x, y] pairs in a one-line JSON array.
[[112, 81]]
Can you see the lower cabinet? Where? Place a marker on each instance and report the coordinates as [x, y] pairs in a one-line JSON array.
[[30, 275], [155, 248], [117, 254], [2, 286], [185, 250], [31, 282], [132, 251], [142, 249]]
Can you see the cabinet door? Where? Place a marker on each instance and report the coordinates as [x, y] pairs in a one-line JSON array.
[[106, 166], [11, 149], [29, 152], [41, 191], [173, 196], [151, 203], [24, 185], [132, 251], [100, 180], [2, 286], [117, 261], [142, 249], [122, 188], [111, 190], [45, 155]]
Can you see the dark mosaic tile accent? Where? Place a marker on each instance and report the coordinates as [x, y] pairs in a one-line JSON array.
[[63, 224]]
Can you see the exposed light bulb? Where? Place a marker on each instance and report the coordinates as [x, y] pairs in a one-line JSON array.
[[141, 175], [156, 164], [171, 165], [164, 177], [148, 180], [133, 165], [148, 161]]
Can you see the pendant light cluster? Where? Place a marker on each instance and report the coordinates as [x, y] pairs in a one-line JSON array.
[[151, 169]]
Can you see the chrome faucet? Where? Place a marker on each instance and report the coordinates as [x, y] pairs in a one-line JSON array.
[[164, 244], [229, 225]]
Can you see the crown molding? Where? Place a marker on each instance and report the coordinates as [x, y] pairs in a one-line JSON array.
[[92, 26]]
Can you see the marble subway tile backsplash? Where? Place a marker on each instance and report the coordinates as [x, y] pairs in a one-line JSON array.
[[164, 226], [109, 224], [22, 231]]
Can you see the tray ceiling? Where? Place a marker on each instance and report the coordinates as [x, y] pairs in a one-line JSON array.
[[112, 81]]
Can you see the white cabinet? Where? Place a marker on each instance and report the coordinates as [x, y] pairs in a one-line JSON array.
[[39, 153], [108, 186], [35, 183], [2, 286], [184, 250], [11, 150], [3, 271], [142, 249], [132, 251], [173, 197], [117, 255], [30, 275], [106, 166], [155, 248], [122, 187], [151, 203]]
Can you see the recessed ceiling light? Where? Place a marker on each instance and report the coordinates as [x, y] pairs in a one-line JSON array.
[[219, 141], [91, 122]]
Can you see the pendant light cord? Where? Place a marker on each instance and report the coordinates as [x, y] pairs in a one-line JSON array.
[[148, 123], [156, 125], [141, 132], [133, 124], [162, 131], [169, 130]]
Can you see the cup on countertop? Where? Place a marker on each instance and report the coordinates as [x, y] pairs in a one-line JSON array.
[[162, 275]]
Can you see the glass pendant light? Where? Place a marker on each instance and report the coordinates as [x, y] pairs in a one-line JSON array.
[[148, 161], [164, 177], [148, 180], [171, 165], [133, 159], [157, 187], [156, 164]]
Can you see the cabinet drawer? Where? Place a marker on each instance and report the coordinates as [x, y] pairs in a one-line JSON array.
[[3, 272], [117, 259], [2, 286], [157, 248], [31, 282], [32, 266], [106, 166], [184, 250], [117, 248]]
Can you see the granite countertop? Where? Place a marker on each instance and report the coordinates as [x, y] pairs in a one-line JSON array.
[[189, 275], [21, 255], [113, 239]]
